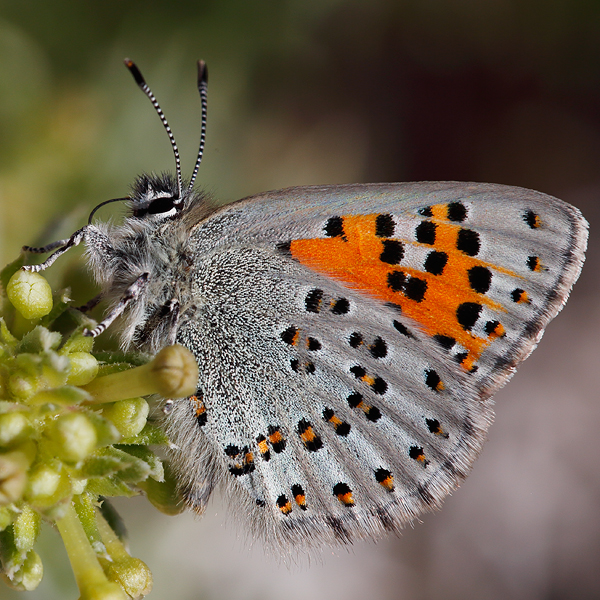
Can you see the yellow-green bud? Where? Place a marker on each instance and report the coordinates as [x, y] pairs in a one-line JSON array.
[[14, 427], [47, 485], [21, 386], [175, 372], [73, 436], [84, 367], [163, 494], [128, 416], [132, 574], [26, 529], [30, 294], [13, 475], [28, 575]]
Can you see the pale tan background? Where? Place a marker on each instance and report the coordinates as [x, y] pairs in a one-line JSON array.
[[331, 91]]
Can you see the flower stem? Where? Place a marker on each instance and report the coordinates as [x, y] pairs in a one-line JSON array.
[[91, 580]]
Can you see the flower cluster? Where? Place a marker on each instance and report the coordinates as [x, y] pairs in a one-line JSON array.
[[74, 431]]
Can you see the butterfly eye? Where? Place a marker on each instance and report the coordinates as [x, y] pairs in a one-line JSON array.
[[158, 206]]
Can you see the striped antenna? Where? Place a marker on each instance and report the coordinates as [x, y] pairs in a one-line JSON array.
[[144, 87], [202, 88]]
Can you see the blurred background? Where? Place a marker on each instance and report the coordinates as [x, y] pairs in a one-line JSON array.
[[337, 91]]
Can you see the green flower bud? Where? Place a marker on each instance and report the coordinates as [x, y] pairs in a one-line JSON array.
[[26, 528], [28, 575], [48, 484], [163, 494], [106, 432], [22, 386], [128, 416], [38, 370], [73, 436], [30, 294], [84, 367], [175, 372], [77, 343], [14, 427], [132, 574], [13, 473]]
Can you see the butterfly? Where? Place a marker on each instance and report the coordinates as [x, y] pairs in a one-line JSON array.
[[349, 338]]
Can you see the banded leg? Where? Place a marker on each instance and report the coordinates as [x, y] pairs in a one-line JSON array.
[[132, 292], [65, 245], [90, 304]]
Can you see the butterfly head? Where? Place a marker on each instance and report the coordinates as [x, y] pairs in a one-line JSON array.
[[156, 195]]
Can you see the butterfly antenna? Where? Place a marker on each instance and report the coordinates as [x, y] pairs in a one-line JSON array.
[[202, 88], [144, 87]]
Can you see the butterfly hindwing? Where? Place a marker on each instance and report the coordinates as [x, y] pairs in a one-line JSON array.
[[330, 413]]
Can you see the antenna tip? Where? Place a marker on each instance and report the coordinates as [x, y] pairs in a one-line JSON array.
[[134, 71], [202, 73]]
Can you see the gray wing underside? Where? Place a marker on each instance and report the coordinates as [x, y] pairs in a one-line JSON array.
[[497, 213], [254, 382], [365, 419]]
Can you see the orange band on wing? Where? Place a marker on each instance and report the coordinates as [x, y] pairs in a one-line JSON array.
[[355, 259]]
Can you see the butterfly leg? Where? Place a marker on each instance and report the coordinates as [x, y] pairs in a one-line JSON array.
[[47, 248], [63, 246], [91, 303], [132, 292]]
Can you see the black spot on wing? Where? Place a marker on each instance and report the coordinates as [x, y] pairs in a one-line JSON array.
[[457, 212], [334, 227], [435, 262], [313, 344], [284, 248], [415, 289], [340, 307], [467, 314], [533, 263], [480, 279], [396, 280], [378, 348], [468, 242], [445, 341], [425, 232], [393, 252], [313, 300], [402, 329], [532, 219], [384, 226]]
